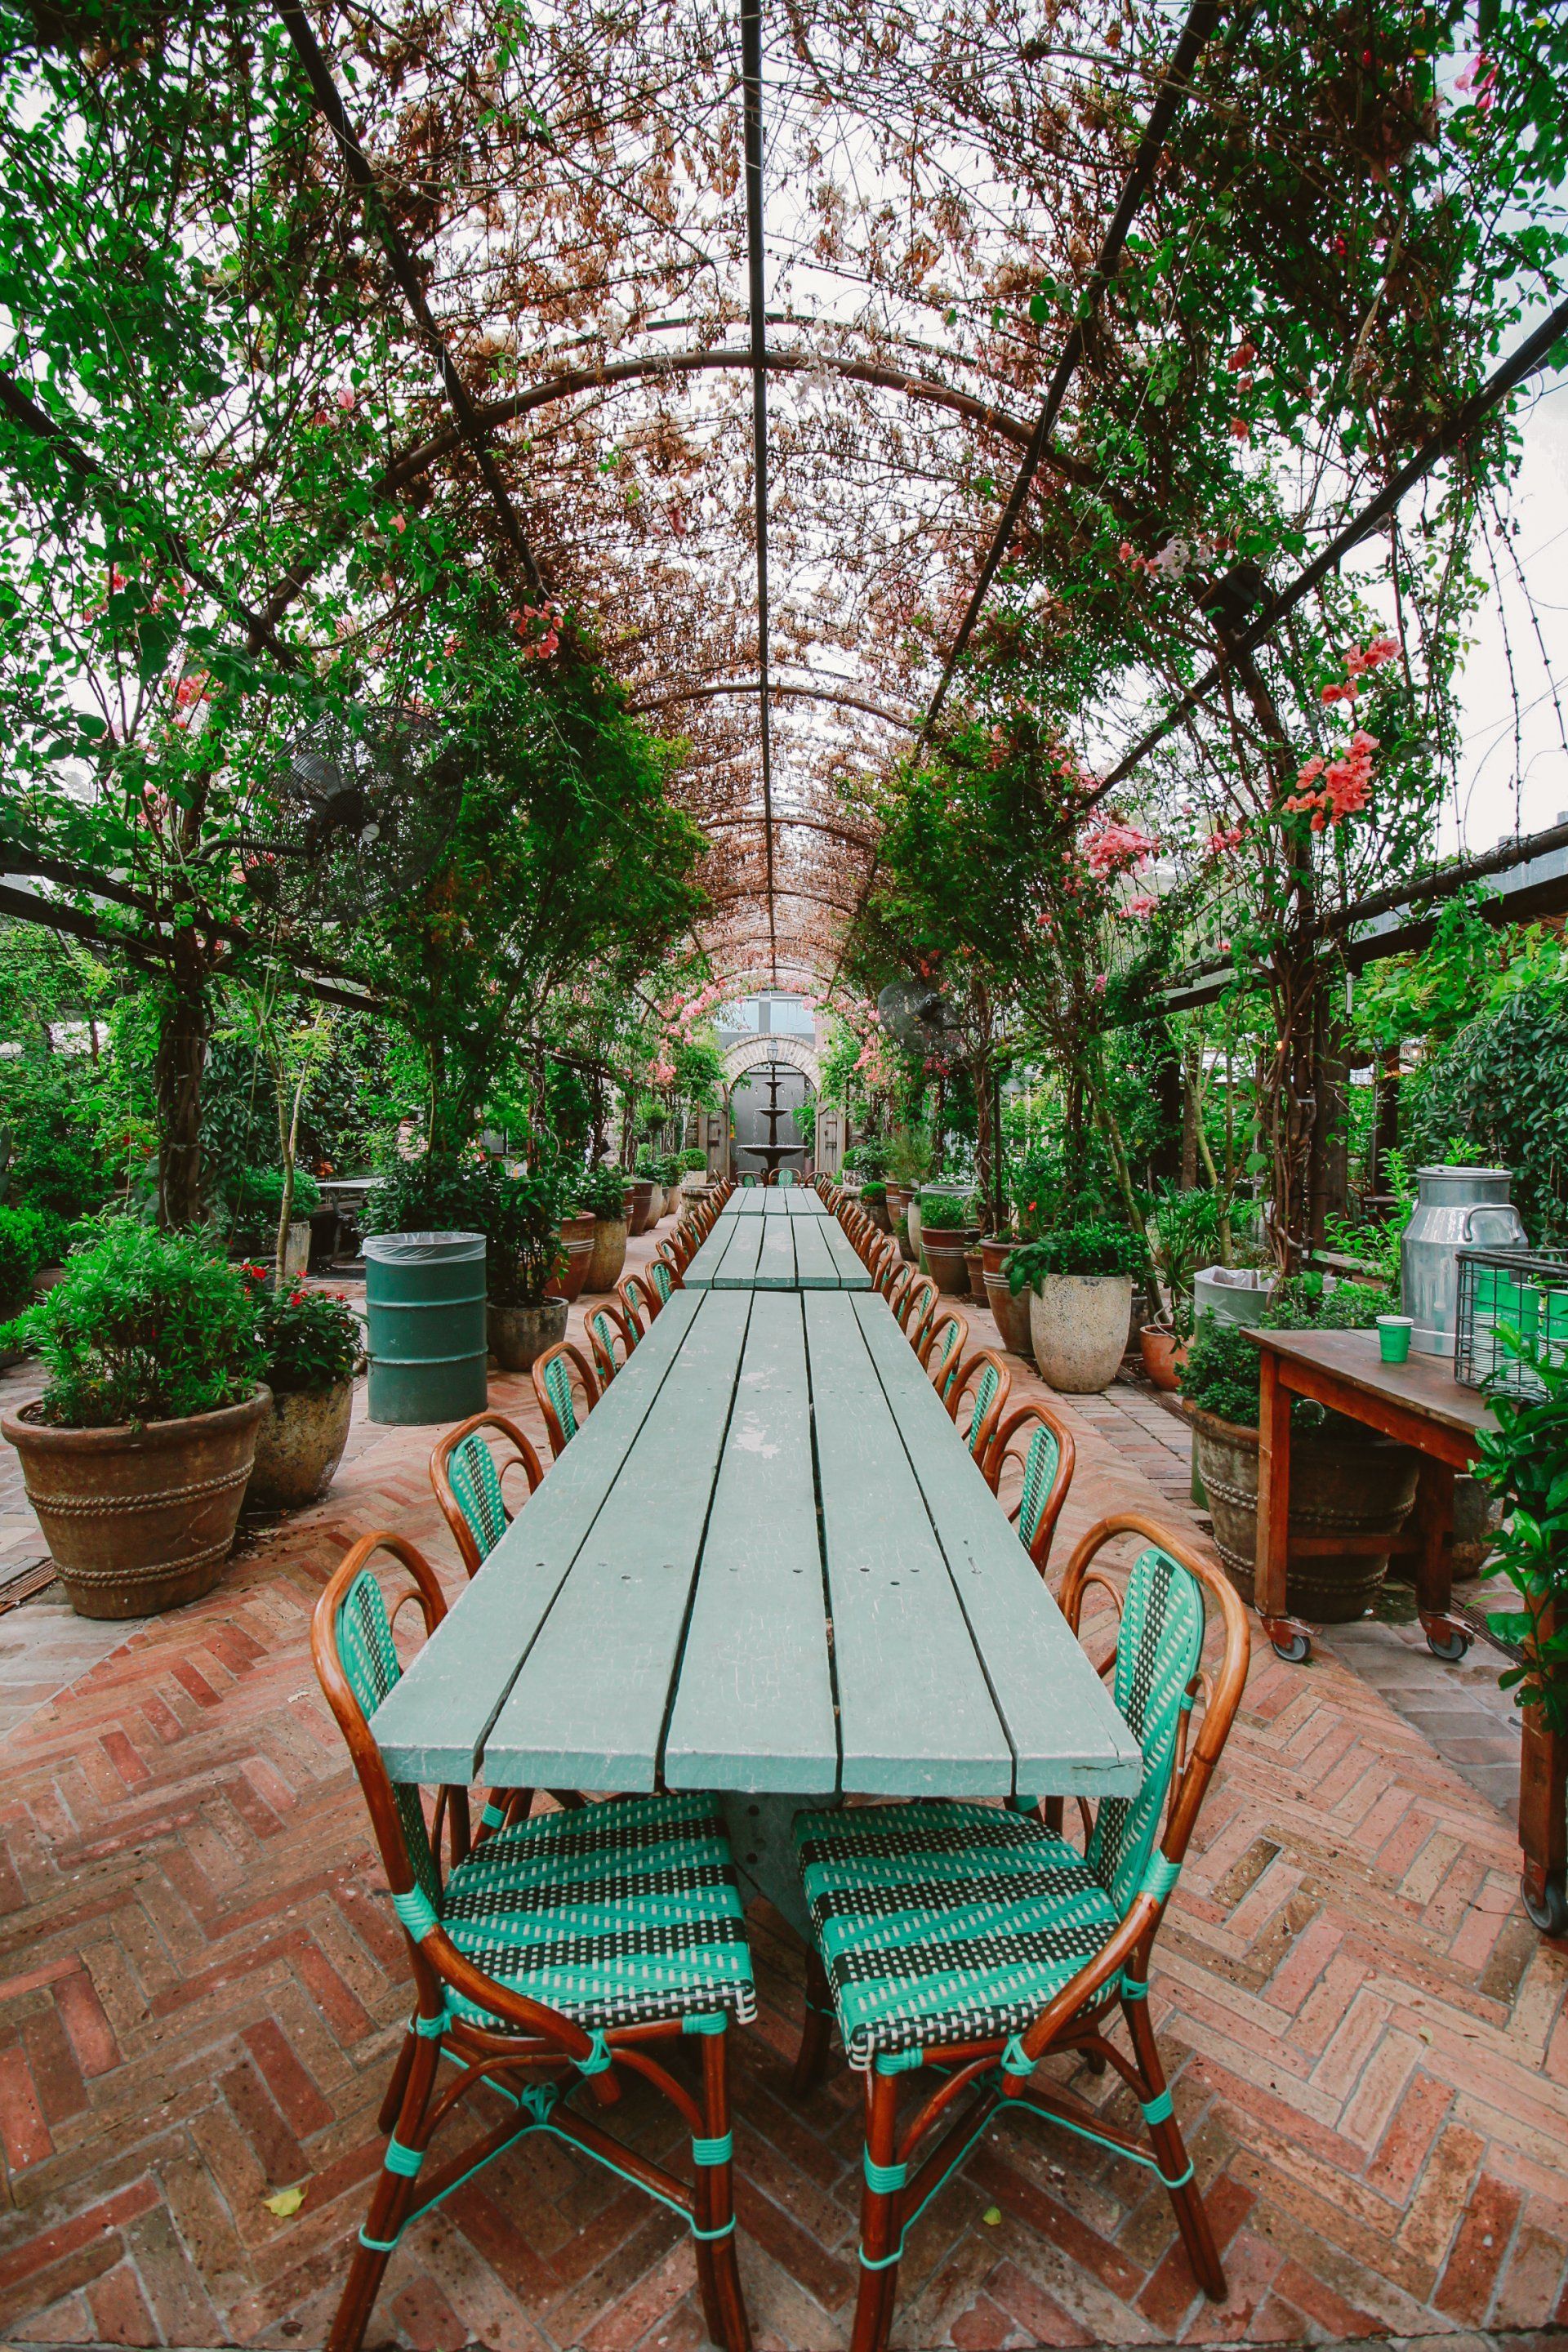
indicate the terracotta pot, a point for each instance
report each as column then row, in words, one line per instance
column 639, row 1205
column 944, row 1256
column 1361, row 1487
column 996, row 1249
column 1164, row 1355
column 299, row 1446
column 139, row 1519
column 1077, row 1327
column 1011, row 1315
column 518, row 1334
column 975, row 1266
column 608, row 1255
column 578, row 1229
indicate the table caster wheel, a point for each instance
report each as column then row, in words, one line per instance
column 1450, row 1644
column 1548, row 1912
column 1295, row 1648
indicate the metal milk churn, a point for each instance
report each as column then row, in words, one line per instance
column 1456, row 1208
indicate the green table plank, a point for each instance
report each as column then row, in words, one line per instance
column 1067, row 1736
column 802, row 1203
column 814, row 1264
column 739, row 1271
column 709, row 1260
column 588, row 1708
column 754, row 1708
column 853, row 1274
column 916, row 1718
column 432, row 1726
column 776, row 1259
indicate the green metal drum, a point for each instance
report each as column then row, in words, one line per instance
column 424, row 1302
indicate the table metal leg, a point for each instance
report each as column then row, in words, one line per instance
column 1292, row 1641
column 1447, row 1636
column 759, row 1830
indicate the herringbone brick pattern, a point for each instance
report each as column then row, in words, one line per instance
column 201, row 1985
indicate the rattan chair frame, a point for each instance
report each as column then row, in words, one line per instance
column 1028, row 1417
column 452, row 1511
column 585, row 1371
column 539, row 2047
column 1076, row 2018
column 940, row 1366
column 980, row 1430
column 605, row 1364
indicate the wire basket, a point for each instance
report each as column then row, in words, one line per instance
column 1523, row 1290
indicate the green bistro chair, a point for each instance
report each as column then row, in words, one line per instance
column 1040, row 1445
column 975, row 1939
column 557, row 1375
column 943, row 1350
column 608, row 1329
column 665, row 1278
column 922, row 1300
column 785, row 1178
column 545, row 1957
column 468, row 1482
column 975, row 1399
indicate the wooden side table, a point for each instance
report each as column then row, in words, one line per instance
column 1420, row 1405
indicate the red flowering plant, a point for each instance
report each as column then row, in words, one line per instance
column 312, row 1338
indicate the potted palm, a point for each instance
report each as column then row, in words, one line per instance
column 311, row 1346
column 1080, row 1277
column 1346, row 1482
column 523, row 1231
column 603, row 1193
column 137, row 1455
column 1183, row 1233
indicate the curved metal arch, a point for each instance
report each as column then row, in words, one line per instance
column 753, row 686
column 717, row 900
column 655, row 365
column 788, row 824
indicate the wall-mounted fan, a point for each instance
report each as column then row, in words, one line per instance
column 357, row 818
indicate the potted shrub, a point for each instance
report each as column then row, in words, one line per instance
column 693, row 1173
column 947, row 1230
column 639, row 1192
column 255, row 1210
column 1345, row 1480
column 603, row 1193
column 1079, row 1278
column 311, row 1346
column 523, row 1231
column 1183, row 1233
column 874, row 1200
column 137, row 1455
column 577, row 1223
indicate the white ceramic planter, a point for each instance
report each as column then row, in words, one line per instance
column 1077, row 1328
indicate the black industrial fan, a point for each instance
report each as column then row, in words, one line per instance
column 357, row 818
column 917, row 1014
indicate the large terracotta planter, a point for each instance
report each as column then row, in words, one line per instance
column 1077, row 1327
column 518, row 1334
column 1164, row 1355
column 299, row 1446
column 996, row 1249
column 639, row 1205
column 568, row 1281
column 609, row 1253
column 944, row 1253
column 1360, row 1488
column 1010, row 1311
column 139, row 1519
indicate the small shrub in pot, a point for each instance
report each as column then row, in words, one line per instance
column 137, row 1455
column 1080, row 1274
column 311, row 1343
column 523, row 1231
column 603, row 1193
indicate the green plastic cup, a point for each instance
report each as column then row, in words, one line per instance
column 1394, row 1337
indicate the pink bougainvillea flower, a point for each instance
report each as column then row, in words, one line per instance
column 345, row 400
column 1240, row 429
column 1228, row 837
column 1141, row 908
column 1343, row 690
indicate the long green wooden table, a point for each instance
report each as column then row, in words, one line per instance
column 787, row 1253
column 657, row 1615
column 760, row 1201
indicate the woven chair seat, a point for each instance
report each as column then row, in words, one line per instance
column 612, row 1914
column 944, row 1923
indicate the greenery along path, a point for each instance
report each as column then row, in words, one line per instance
column 200, row 1986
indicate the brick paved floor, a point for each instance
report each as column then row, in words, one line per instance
column 201, row 1986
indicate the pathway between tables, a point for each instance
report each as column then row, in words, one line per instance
column 201, row 1985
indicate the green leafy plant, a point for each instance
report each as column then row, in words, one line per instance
column 257, row 1200
column 428, row 1194
column 1376, row 1246
column 602, row 1191
column 310, row 1339
column 1525, row 1463
column 23, row 1243
column 947, row 1212
column 522, row 1229
column 908, row 1155
column 1223, row 1371
column 694, row 1160
column 874, row 1196
column 1185, row 1236
column 145, row 1326
column 1098, row 1247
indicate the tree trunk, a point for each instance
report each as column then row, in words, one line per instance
column 1192, row 1112
column 177, row 1075
column 1327, row 1181
column 1385, row 1120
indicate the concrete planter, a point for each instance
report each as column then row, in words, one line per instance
column 297, row 1249
column 609, row 1253
column 299, row 1446
column 1359, row 1488
column 518, row 1334
column 1078, row 1325
column 139, row 1520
